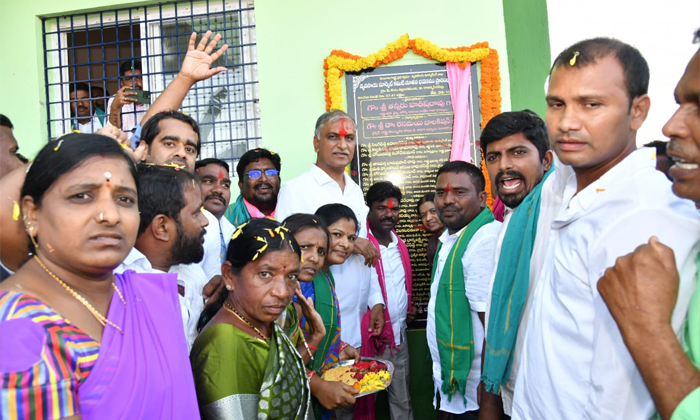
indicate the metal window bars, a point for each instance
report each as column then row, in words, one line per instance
column 89, row 48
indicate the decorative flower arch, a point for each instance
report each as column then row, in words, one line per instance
column 340, row 61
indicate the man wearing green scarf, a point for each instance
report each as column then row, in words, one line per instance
column 259, row 181
column 462, row 270
column 517, row 155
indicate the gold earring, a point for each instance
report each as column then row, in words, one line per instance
column 31, row 236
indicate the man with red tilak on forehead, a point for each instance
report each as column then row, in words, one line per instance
column 327, row 183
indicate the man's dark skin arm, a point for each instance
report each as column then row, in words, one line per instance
column 641, row 291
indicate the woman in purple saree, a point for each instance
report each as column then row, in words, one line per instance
column 77, row 341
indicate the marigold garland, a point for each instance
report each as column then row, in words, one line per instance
column 340, row 61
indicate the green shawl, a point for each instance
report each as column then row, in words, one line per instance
column 237, row 213
column 453, row 318
column 510, row 289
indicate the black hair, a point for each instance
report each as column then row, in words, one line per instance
column 634, row 67
column 509, row 123
column 696, row 36
column 5, row 122
column 129, row 65
column 458, row 166
column 659, row 145
column 80, row 86
column 331, row 213
column 204, row 162
column 161, row 191
column 381, row 191
column 426, row 197
column 64, row 154
column 250, row 241
column 253, row 156
column 300, row 221
column 152, row 127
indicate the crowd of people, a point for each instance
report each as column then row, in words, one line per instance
column 133, row 286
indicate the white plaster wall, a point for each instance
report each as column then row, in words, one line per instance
column 661, row 30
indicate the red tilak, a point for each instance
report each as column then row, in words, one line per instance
column 221, row 174
column 390, row 204
column 343, row 131
column 447, row 188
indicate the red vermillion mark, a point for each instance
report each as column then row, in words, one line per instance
column 343, row 131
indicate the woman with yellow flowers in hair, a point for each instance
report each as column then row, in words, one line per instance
column 244, row 364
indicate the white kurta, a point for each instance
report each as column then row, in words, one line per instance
column 478, row 267
column 550, row 202
column 357, row 288
column 315, row 188
column 189, row 276
column 395, row 283
column 574, row 362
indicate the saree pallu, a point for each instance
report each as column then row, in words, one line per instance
column 241, row 377
column 144, row 373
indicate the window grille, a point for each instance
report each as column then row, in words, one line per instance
column 89, row 48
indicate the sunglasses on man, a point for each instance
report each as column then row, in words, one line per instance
column 257, row 173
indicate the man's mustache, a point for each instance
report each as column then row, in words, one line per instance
column 212, row 195
column 265, row 184
column 388, row 219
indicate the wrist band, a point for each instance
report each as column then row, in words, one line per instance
column 310, row 374
column 314, row 348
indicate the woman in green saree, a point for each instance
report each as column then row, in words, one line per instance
column 244, row 365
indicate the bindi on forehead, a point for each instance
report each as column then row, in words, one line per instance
column 448, row 188
column 390, row 204
column 221, row 173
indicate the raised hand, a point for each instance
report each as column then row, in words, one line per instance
column 197, row 63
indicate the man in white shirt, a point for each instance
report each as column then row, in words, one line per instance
column 517, row 156
column 213, row 175
column 84, row 117
column 327, row 182
column 394, row 272
column 170, row 237
column 642, row 288
column 459, row 288
column 574, row 362
column 124, row 112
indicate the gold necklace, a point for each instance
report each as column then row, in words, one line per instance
column 101, row 318
column 242, row 318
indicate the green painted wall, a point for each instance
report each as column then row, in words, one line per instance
column 22, row 91
column 527, row 37
column 295, row 37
